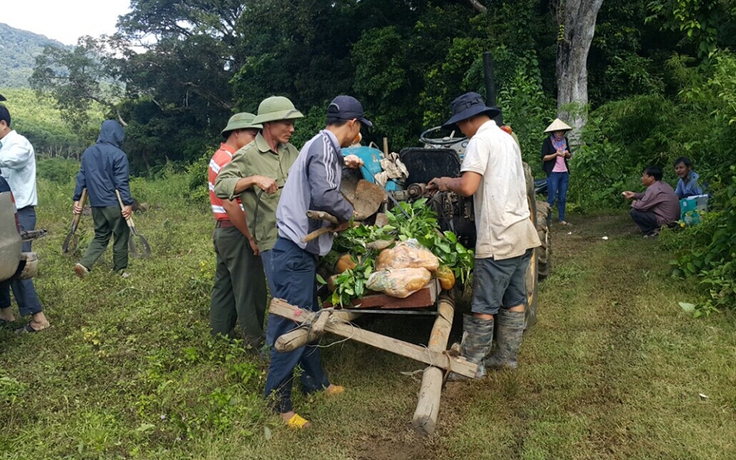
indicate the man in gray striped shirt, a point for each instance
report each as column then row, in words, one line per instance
column 313, row 183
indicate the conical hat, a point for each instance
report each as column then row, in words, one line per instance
column 557, row 125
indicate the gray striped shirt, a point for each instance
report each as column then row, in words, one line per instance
column 313, row 184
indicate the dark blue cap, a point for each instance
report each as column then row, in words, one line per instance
column 468, row 105
column 347, row 108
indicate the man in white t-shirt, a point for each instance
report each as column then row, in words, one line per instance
column 492, row 172
column 18, row 167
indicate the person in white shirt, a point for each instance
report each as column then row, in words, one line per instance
column 493, row 173
column 18, row 167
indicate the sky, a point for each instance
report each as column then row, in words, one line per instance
column 64, row 20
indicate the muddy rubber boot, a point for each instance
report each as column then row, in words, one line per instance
column 508, row 339
column 476, row 343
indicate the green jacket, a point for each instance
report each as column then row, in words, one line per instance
column 257, row 159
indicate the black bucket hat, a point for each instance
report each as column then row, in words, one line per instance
column 469, row 105
column 2, row 98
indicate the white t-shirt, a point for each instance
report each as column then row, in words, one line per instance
column 18, row 167
column 502, row 219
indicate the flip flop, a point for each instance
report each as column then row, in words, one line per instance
column 6, row 323
column 29, row 329
column 297, row 422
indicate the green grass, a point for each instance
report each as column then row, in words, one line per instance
column 614, row 369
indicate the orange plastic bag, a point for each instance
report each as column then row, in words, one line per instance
column 407, row 254
column 401, row 282
column 446, row 277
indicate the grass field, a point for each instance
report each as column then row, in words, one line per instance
column 614, row 369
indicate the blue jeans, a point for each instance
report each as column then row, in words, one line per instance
column 23, row 290
column 557, row 189
column 294, row 272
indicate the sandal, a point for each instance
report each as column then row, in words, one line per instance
column 297, row 422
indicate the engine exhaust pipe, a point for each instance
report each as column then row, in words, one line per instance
column 490, row 85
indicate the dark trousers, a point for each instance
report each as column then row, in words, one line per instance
column 294, row 272
column 109, row 222
column 557, row 190
column 23, row 290
column 239, row 292
column 646, row 220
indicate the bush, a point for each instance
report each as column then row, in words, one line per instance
column 706, row 251
column 57, row 170
column 197, row 179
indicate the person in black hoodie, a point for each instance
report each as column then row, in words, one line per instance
column 105, row 170
column 555, row 153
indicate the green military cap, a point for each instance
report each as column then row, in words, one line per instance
column 243, row 120
column 276, row 108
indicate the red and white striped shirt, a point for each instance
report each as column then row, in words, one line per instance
column 218, row 161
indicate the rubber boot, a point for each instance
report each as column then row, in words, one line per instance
column 510, row 328
column 476, row 343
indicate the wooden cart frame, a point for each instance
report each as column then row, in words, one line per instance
column 435, row 355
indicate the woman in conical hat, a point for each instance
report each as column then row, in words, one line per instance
column 555, row 153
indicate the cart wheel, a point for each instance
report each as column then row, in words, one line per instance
column 544, row 252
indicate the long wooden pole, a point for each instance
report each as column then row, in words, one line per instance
column 428, row 406
column 302, row 336
column 459, row 365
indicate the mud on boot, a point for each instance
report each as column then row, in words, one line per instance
column 476, row 343
column 510, row 326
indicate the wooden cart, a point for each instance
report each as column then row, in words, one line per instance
column 435, row 355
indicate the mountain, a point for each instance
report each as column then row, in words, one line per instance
column 18, row 48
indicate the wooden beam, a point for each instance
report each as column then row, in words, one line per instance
column 428, row 406
column 303, row 335
column 458, row 365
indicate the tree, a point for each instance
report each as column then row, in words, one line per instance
column 76, row 77
column 576, row 19
column 481, row 8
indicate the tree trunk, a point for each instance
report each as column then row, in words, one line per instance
column 577, row 27
column 478, row 6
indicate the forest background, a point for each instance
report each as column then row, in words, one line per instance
column 661, row 84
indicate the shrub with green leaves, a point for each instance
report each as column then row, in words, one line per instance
column 58, row 170
column 197, row 179
column 708, row 251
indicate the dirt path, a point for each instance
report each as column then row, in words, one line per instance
column 602, row 375
column 571, row 244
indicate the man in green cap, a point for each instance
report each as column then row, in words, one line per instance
column 240, row 287
column 256, row 174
